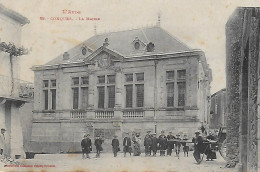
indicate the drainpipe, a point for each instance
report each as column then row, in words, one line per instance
column 155, row 95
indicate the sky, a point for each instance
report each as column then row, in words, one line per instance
column 200, row 24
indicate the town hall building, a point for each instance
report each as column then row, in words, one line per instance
column 126, row 81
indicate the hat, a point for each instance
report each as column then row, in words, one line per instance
column 115, row 135
column 177, row 134
column 3, row 129
column 197, row 132
column 149, row 131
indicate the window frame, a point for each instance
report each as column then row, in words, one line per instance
column 175, row 81
column 134, row 84
column 106, row 84
column 80, row 86
column 51, row 103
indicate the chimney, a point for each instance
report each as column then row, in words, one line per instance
column 66, row 56
column 105, row 44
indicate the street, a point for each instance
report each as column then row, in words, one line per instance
column 107, row 163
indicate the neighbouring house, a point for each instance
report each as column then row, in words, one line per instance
column 14, row 92
column 218, row 116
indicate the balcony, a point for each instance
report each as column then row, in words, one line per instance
column 78, row 114
column 133, row 114
column 15, row 88
column 104, row 114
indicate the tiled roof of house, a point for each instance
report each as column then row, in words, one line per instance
column 122, row 42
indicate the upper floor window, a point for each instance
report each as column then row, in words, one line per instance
column 134, row 90
column 106, row 91
column 49, row 94
column 176, row 88
column 80, row 92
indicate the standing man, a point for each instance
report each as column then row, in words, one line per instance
column 154, row 144
column 127, row 144
column 115, row 145
column 162, row 143
column 2, row 141
column 178, row 145
column 86, row 146
column 147, row 143
column 185, row 146
column 170, row 145
column 98, row 144
column 198, row 145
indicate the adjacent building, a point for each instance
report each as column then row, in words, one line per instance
column 243, row 70
column 127, row 81
column 218, row 116
column 13, row 92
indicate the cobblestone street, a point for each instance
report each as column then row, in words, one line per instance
column 107, row 163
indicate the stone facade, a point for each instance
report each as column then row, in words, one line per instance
column 12, row 89
column 218, row 106
column 141, row 80
column 242, row 32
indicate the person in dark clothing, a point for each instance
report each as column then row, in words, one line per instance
column 210, row 154
column 198, row 146
column 98, row 144
column 147, row 144
column 115, row 146
column 127, row 145
column 154, row 143
column 86, row 146
column 185, row 146
column 162, row 143
column 177, row 145
column 170, row 143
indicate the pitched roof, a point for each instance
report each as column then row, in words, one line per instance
column 121, row 42
column 13, row 15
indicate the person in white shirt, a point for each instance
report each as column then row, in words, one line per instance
column 2, row 141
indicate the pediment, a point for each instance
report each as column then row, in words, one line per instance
column 103, row 57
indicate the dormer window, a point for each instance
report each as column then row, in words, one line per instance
column 137, row 45
column 84, row 51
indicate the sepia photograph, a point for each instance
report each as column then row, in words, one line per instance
column 129, row 85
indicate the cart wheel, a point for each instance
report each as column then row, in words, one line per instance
column 223, row 150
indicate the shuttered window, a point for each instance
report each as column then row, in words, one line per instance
column 45, row 94
column 170, row 94
column 176, row 88
column 75, row 98
column 84, row 97
column 80, row 92
column 49, row 94
column 53, row 99
column 129, row 96
column 101, row 97
column 140, row 95
column 111, row 96
column 181, row 93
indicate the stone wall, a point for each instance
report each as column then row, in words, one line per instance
column 242, row 32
